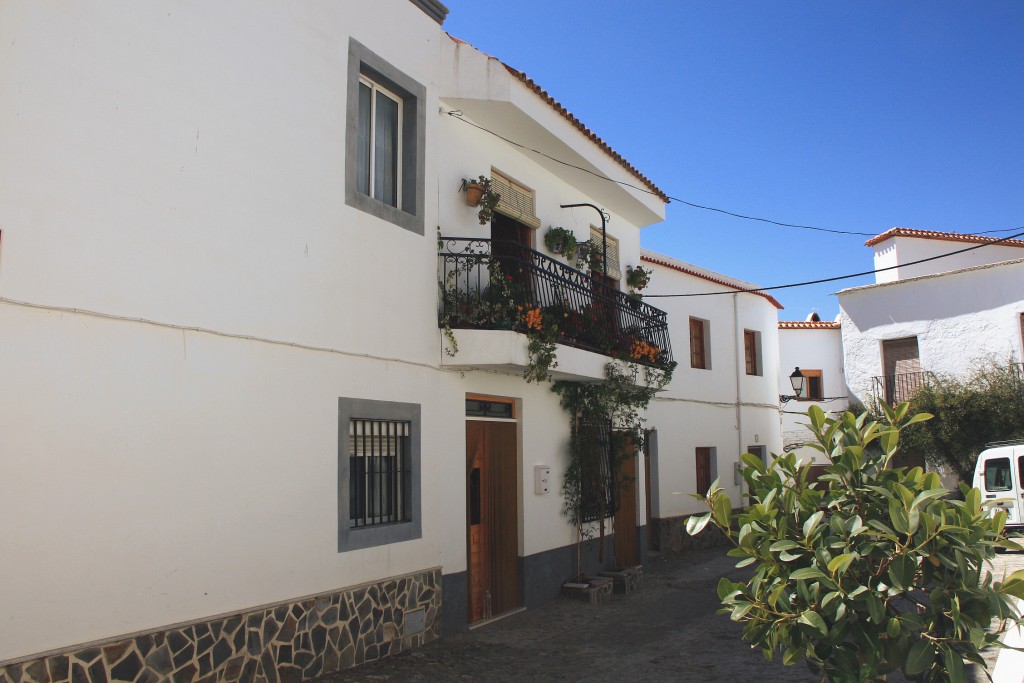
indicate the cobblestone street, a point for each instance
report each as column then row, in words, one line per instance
column 667, row 631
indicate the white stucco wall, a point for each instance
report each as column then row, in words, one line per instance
column 896, row 251
column 959, row 319
column 810, row 349
column 721, row 407
column 184, row 296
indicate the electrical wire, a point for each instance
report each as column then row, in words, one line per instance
column 457, row 115
column 845, row 277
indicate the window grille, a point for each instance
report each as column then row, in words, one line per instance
column 515, row 201
column 597, row 472
column 379, row 472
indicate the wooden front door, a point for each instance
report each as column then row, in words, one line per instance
column 627, row 552
column 492, row 518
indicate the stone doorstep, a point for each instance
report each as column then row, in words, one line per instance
column 598, row 589
column 626, row 580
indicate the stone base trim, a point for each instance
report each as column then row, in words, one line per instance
column 286, row 643
column 669, row 534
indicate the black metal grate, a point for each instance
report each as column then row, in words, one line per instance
column 898, row 388
column 597, row 471
column 494, row 284
column 379, row 472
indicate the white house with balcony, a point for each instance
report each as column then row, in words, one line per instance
column 723, row 399
column 237, row 442
column 943, row 316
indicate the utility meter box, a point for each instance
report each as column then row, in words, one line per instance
column 541, row 479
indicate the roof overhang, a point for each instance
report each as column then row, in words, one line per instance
column 495, row 98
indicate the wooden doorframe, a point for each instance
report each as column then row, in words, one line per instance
column 492, row 514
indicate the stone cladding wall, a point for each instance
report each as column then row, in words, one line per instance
column 284, row 643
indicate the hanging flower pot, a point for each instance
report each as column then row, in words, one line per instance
column 561, row 241
column 480, row 195
column 474, row 191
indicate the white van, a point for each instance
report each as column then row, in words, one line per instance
column 999, row 475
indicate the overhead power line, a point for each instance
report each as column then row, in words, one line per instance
column 845, row 277
column 457, row 115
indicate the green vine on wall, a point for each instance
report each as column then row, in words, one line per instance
column 619, row 402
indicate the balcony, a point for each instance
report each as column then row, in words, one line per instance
column 493, row 286
column 901, row 387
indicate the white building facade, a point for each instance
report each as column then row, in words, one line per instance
column 943, row 317
column 723, row 399
column 233, row 443
column 815, row 347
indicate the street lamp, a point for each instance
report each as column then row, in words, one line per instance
column 796, row 379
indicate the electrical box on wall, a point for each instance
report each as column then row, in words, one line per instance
column 541, row 479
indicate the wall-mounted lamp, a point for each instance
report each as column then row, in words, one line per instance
column 796, row 379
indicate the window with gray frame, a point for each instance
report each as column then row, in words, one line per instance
column 384, row 142
column 379, row 473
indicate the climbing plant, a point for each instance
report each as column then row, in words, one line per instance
column 616, row 404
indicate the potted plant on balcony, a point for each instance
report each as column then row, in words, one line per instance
column 637, row 278
column 589, row 255
column 479, row 194
column 561, row 241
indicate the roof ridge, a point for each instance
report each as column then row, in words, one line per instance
column 709, row 278
column 937, row 235
column 808, row 325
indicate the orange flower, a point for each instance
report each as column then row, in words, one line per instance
column 533, row 319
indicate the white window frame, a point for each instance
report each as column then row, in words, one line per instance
column 372, row 161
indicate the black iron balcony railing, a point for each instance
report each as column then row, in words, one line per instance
column 498, row 285
column 901, row 387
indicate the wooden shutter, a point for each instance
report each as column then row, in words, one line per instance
column 750, row 351
column 697, row 358
column 703, row 458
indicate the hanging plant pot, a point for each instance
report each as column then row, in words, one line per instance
column 474, row 192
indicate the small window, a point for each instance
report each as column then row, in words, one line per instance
column 812, row 390
column 379, row 473
column 598, row 490
column 752, row 351
column 705, row 468
column 699, row 333
column 384, row 141
column 997, row 474
column 380, row 144
column 614, row 269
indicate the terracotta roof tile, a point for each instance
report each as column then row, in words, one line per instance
column 807, row 325
column 704, row 276
column 933, row 235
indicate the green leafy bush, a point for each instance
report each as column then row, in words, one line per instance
column 986, row 406
column 869, row 570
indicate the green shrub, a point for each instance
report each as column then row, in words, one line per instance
column 869, row 570
column 986, row 406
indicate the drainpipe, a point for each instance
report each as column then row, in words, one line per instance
column 737, row 341
column 604, row 232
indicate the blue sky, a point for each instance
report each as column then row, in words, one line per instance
column 857, row 116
